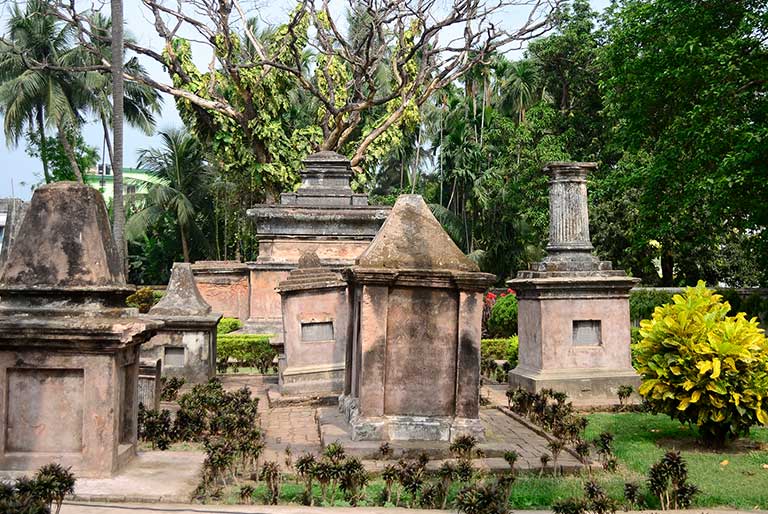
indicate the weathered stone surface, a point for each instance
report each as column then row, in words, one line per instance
column 323, row 216
column 413, row 367
column 182, row 298
column 16, row 210
column 394, row 248
column 224, row 286
column 186, row 345
column 573, row 311
column 315, row 320
column 68, row 347
column 65, row 241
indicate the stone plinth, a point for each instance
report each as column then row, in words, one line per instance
column 413, row 365
column 69, row 349
column 224, row 286
column 315, row 319
column 323, row 216
column 573, row 311
column 186, row 345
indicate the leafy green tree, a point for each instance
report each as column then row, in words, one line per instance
column 179, row 171
column 685, row 85
column 35, row 98
column 59, row 164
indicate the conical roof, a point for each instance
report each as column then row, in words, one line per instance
column 182, row 298
column 64, row 241
column 411, row 238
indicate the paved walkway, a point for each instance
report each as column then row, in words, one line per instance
column 172, row 476
column 156, row 476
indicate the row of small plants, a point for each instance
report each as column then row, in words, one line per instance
column 235, row 351
column 407, row 482
column 552, row 411
column 667, row 481
column 224, row 422
column 333, row 476
column 43, row 493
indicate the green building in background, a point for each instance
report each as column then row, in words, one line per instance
column 135, row 181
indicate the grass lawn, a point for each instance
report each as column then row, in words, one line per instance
column 732, row 478
column 735, row 477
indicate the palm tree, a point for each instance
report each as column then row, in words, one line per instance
column 118, row 89
column 178, row 172
column 519, row 87
column 35, row 97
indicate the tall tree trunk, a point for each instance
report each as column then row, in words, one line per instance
column 184, row 242
column 415, row 174
column 667, row 268
column 118, row 206
column 43, row 144
column 70, row 152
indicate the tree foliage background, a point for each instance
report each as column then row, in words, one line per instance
column 669, row 97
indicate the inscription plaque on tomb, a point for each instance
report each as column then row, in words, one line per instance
column 317, row 331
column 174, row 356
column 586, row 332
column 44, row 410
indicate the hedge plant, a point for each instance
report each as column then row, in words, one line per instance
column 227, row 325
column 643, row 302
column 500, row 349
column 503, row 319
column 247, row 350
column 703, row 367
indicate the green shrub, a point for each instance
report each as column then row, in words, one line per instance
column 248, row 350
column 701, row 366
column 227, row 325
column 754, row 306
column 170, row 388
column 503, row 320
column 643, row 302
column 500, row 349
column 144, row 298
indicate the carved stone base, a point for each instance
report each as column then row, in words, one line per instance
column 407, row 428
column 585, row 387
column 312, row 380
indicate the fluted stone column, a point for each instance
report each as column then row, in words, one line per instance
column 569, row 222
column 573, row 313
column 569, row 247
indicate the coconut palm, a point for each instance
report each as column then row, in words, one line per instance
column 178, row 173
column 37, row 97
column 519, row 87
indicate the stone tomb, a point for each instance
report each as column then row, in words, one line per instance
column 69, row 348
column 413, row 365
column 186, row 345
column 224, row 286
column 315, row 319
column 573, row 313
column 323, row 216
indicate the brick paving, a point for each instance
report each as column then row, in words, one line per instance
column 283, row 427
column 297, row 427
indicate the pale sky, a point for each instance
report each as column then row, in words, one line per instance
column 18, row 171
